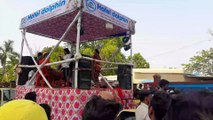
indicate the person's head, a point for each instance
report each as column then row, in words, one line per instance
column 97, row 51
column 106, row 95
column 98, row 108
column 30, row 96
column 66, row 51
column 157, row 77
column 47, row 109
column 191, row 105
column 140, row 86
column 164, row 84
column 144, row 96
column 22, row 110
column 159, row 105
column 134, row 86
column 45, row 54
column 39, row 55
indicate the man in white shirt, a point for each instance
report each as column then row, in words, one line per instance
column 141, row 112
column 65, row 66
column 30, row 83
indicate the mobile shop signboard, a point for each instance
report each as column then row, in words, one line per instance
column 101, row 11
column 50, row 11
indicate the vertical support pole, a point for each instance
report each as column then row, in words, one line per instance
column 63, row 36
column 21, row 53
column 60, row 40
column 131, row 49
column 37, row 66
column 77, row 51
column 131, row 53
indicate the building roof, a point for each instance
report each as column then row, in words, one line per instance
column 147, row 70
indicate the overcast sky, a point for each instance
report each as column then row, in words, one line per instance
column 168, row 32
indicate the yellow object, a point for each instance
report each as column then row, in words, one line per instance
column 22, row 110
column 128, row 110
column 136, row 102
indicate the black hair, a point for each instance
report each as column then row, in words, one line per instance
column 39, row 54
column 30, row 96
column 97, row 51
column 47, row 109
column 100, row 109
column 160, row 103
column 163, row 82
column 143, row 94
column 191, row 105
column 66, row 50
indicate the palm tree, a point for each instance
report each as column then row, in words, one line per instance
column 6, row 52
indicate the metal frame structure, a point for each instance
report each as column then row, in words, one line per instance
column 77, row 56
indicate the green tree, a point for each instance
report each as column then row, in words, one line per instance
column 55, row 55
column 201, row 63
column 107, row 47
column 7, row 57
column 139, row 61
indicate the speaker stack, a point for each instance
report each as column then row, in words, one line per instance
column 124, row 76
column 23, row 76
column 84, row 74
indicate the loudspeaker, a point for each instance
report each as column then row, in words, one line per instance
column 124, row 76
column 23, row 76
column 84, row 74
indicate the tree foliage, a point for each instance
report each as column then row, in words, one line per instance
column 107, row 49
column 55, row 55
column 8, row 58
column 201, row 63
column 139, row 61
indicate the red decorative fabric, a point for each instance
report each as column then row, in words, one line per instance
column 67, row 104
column 93, row 27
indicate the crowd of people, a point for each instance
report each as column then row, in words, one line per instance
column 160, row 105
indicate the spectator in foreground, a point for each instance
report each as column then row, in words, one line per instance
column 140, row 87
column 141, row 112
column 159, row 105
column 135, row 91
column 100, row 109
column 192, row 105
column 47, row 109
column 30, row 96
column 22, row 110
column 164, row 85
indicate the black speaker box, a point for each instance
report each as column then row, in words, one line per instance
column 84, row 79
column 84, row 74
column 124, row 76
column 23, row 76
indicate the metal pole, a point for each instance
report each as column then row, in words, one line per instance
column 77, row 51
column 105, row 80
column 20, row 57
column 60, row 40
column 131, row 61
column 37, row 66
column 62, row 37
column 131, row 50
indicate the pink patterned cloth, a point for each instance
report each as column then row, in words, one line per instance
column 67, row 104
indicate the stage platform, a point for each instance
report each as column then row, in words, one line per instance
column 67, row 103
